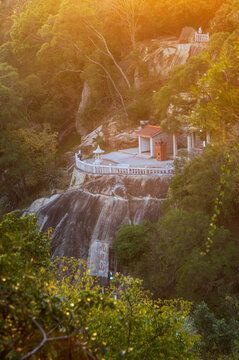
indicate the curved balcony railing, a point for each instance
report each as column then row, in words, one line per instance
column 121, row 169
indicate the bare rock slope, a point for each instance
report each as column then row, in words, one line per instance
column 161, row 56
column 86, row 220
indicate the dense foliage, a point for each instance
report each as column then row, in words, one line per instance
column 54, row 311
column 173, row 256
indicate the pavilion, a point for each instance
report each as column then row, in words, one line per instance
column 153, row 141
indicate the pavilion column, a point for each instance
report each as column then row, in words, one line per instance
column 175, row 146
column 140, row 146
column 189, row 142
column 151, row 147
column 193, row 140
column 208, row 139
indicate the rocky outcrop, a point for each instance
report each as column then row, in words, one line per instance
column 85, row 98
column 162, row 55
column 108, row 135
column 187, row 35
column 38, row 204
column 88, row 142
column 86, row 220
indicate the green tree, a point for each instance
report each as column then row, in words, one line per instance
column 218, row 335
column 174, row 101
column 217, row 92
column 226, row 17
column 65, row 315
column 27, row 149
column 167, row 255
column 130, row 243
column 129, row 13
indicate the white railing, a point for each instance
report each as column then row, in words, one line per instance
column 201, row 37
column 121, row 169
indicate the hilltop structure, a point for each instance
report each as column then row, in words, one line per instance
column 189, row 35
column 154, row 155
column 191, row 40
column 152, row 138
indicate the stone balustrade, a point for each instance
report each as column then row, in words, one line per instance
column 201, row 37
column 121, row 169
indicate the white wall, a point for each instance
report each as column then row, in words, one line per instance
column 145, row 144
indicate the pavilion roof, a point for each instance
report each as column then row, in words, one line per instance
column 149, row 131
column 98, row 150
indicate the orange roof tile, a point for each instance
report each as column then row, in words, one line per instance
column 149, row 131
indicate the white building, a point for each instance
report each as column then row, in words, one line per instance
column 150, row 136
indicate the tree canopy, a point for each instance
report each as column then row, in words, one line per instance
column 55, row 310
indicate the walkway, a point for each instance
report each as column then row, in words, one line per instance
column 132, row 158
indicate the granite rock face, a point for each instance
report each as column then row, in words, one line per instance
column 86, row 220
column 110, row 133
column 161, row 56
column 38, row 204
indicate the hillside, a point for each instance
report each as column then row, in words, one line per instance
column 63, row 72
column 80, row 75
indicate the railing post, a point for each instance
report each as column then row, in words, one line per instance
column 76, row 159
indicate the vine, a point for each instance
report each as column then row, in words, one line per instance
column 218, row 203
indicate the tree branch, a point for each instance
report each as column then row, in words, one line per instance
column 109, row 53
column 41, row 343
column 45, row 339
column 97, row 47
column 109, row 76
column 70, row 70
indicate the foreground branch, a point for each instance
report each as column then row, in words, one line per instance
column 58, row 338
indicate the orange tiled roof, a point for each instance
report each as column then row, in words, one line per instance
column 149, row 131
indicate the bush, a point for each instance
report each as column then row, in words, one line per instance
column 218, row 336
column 140, row 110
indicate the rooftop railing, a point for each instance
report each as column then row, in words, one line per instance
column 201, row 37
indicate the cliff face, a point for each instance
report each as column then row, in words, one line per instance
column 85, row 221
column 161, row 56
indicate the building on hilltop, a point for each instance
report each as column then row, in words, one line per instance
column 189, row 36
column 200, row 37
column 155, row 143
column 150, row 139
